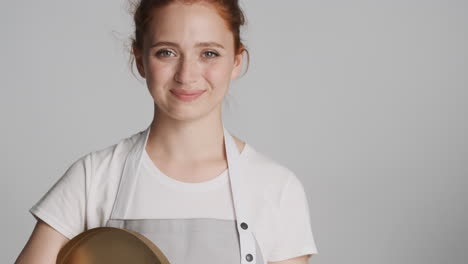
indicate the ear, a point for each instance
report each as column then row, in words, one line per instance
column 238, row 58
column 139, row 60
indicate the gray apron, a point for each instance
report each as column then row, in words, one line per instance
column 190, row 241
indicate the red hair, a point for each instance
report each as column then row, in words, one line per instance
column 229, row 10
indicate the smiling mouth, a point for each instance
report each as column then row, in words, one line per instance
column 187, row 97
column 190, row 92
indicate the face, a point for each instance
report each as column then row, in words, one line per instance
column 188, row 49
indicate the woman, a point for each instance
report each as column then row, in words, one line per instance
column 170, row 182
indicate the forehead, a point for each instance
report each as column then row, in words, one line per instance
column 188, row 23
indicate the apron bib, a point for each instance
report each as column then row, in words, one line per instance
column 194, row 241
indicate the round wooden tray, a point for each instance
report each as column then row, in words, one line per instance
column 109, row 245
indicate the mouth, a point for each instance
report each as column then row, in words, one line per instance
column 186, row 95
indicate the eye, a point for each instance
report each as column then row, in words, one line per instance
column 163, row 53
column 211, row 54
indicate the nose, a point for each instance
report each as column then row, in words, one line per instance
column 187, row 71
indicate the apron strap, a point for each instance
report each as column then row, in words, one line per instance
column 246, row 238
column 128, row 179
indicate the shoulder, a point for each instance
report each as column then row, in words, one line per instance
column 266, row 168
column 114, row 152
column 102, row 165
column 266, row 175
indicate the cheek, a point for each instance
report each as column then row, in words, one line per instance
column 158, row 80
column 218, row 74
column 160, row 73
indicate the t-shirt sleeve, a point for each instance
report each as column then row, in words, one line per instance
column 63, row 206
column 294, row 235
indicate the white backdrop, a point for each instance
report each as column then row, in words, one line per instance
column 365, row 100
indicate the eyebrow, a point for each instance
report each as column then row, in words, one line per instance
column 198, row 44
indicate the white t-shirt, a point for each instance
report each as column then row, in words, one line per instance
column 83, row 198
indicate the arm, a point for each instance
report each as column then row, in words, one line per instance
column 60, row 215
column 294, row 241
column 297, row 260
column 43, row 245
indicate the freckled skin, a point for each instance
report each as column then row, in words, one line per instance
column 187, row 66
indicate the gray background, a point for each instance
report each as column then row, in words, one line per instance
column 365, row 100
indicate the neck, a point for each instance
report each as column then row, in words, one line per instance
column 192, row 140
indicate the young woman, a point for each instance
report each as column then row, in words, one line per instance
column 200, row 194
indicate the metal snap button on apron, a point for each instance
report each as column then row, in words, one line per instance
column 244, row 226
column 194, row 241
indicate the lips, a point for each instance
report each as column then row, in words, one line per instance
column 179, row 91
column 187, row 95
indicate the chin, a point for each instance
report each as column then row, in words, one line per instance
column 194, row 112
column 186, row 113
